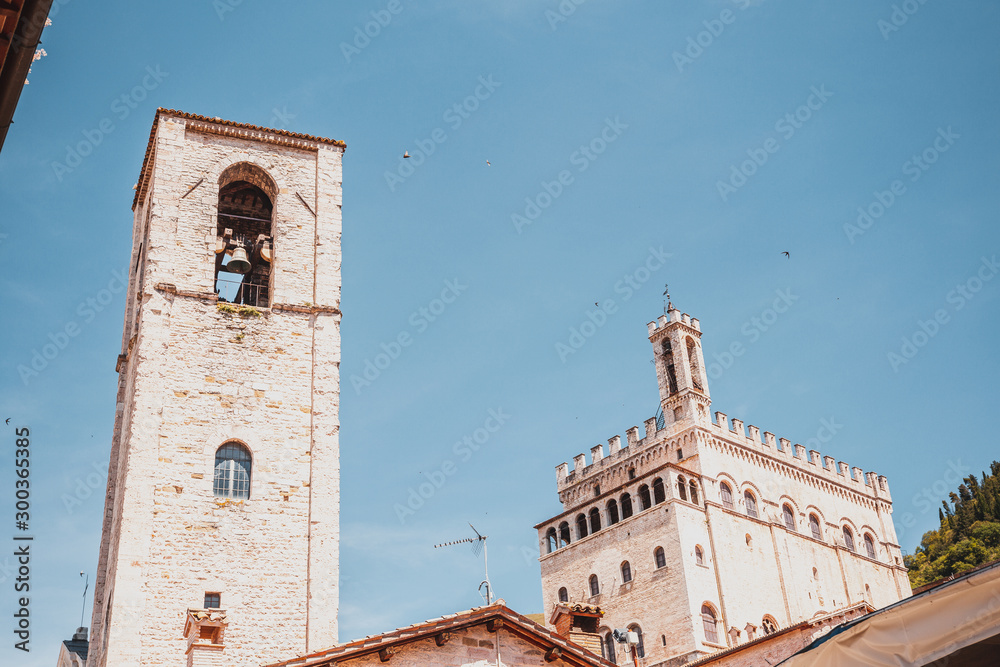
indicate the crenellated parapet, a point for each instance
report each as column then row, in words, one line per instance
column 674, row 316
column 811, row 462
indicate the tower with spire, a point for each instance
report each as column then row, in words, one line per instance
column 703, row 533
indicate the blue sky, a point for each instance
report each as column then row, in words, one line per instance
column 897, row 119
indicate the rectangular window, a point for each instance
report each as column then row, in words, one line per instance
column 213, row 601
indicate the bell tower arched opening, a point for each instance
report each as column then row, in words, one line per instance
column 244, row 246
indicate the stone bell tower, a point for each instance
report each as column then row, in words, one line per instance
column 221, row 528
column 680, row 366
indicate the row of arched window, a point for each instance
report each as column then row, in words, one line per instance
column 788, row 518
column 594, row 584
column 617, row 509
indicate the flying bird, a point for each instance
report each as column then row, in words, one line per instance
column 8, row 420
column 785, row 253
column 406, row 153
column 488, row 163
column 595, row 303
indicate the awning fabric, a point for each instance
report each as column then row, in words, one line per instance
column 917, row 630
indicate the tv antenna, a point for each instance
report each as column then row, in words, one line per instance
column 86, row 585
column 478, row 544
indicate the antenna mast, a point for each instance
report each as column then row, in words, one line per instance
column 478, row 543
column 86, row 585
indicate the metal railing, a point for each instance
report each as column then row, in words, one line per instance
column 232, row 288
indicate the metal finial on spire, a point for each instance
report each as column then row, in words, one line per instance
column 668, row 304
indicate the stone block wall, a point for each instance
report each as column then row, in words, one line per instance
column 193, row 377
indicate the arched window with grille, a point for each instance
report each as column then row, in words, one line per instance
column 232, row 472
column 751, row 504
column 564, row 535
column 626, row 572
column 581, row 526
column 699, row 555
column 595, row 585
column 640, row 650
column 870, row 546
column 660, row 557
column 709, row 623
column 848, row 538
column 694, row 491
column 788, row 514
column 682, row 488
column 727, row 495
column 612, row 512
column 769, row 625
column 563, row 594
column 659, row 494
column 626, row 505
column 645, row 502
column 551, row 543
column 814, row 527
column 595, row 520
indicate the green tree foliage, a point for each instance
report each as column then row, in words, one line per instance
column 969, row 534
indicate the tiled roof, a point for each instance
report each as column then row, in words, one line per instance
column 250, row 131
column 708, row 659
column 513, row 622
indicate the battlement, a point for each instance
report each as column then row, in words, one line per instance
column 673, row 316
column 811, row 462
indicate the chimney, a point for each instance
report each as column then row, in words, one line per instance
column 204, row 630
column 578, row 623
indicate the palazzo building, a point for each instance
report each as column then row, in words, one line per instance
column 702, row 534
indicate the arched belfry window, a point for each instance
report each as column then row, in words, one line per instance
column 645, row 502
column 659, row 493
column 551, row 542
column 612, row 512
column 595, row 520
column 692, row 352
column 232, row 471
column 626, row 506
column 244, row 243
column 564, row 535
column 682, row 488
column 581, row 526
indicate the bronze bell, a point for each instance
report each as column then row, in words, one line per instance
column 239, row 263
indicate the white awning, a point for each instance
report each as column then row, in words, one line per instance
column 960, row 619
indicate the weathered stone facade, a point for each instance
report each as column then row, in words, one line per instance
column 787, row 564
column 195, row 374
